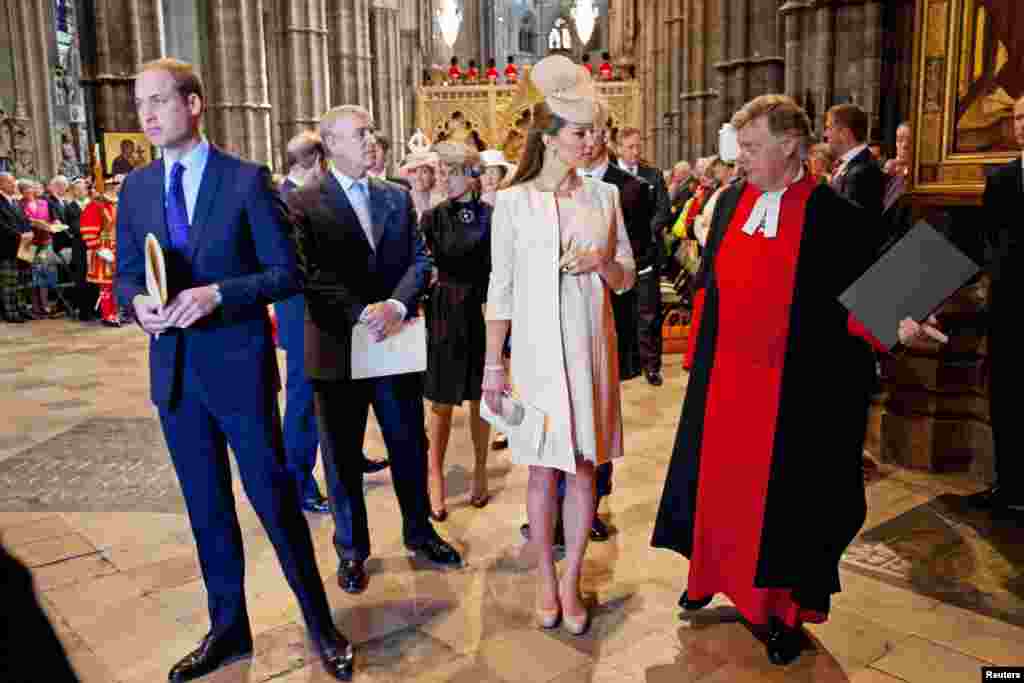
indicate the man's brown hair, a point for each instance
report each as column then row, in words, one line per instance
column 186, row 79
column 853, row 117
column 303, row 148
column 784, row 116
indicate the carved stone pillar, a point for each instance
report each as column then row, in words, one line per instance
column 238, row 108
column 35, row 149
column 348, row 28
column 303, row 65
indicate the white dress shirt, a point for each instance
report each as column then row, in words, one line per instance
column 631, row 169
column 596, row 172
column 845, row 159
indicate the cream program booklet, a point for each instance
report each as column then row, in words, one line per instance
column 401, row 353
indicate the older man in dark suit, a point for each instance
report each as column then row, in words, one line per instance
column 1003, row 201
column 213, row 370
column 364, row 263
column 13, row 224
column 649, row 261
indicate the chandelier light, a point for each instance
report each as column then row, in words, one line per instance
column 584, row 15
column 449, row 18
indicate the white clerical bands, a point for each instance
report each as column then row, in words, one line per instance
column 764, row 218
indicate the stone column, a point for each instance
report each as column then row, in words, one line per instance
column 871, row 85
column 725, row 12
column 129, row 33
column 36, row 150
column 303, row 65
column 387, row 85
column 413, row 46
column 822, row 86
column 791, row 12
column 238, row 108
column 348, row 42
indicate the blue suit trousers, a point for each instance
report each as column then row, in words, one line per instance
column 198, row 434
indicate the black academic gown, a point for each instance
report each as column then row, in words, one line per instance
column 815, row 502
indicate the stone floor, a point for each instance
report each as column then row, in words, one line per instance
column 87, row 502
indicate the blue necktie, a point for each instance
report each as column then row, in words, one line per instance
column 177, row 211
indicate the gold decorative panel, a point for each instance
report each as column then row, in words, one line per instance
column 969, row 70
column 490, row 111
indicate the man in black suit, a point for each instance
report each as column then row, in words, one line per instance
column 1003, row 200
column 648, row 261
column 857, row 175
column 13, row 224
column 364, row 264
column 858, row 178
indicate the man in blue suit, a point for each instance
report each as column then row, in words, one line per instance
column 213, row 369
column 363, row 262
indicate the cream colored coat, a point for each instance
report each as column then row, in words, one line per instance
column 525, row 289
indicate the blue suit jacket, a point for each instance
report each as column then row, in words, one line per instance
column 239, row 239
column 344, row 273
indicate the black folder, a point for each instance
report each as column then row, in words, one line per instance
column 911, row 280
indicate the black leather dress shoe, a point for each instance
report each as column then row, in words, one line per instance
column 370, row 465
column 985, row 500
column 437, row 551
column 558, row 542
column 598, row 530
column 693, row 605
column 336, row 655
column 654, row 379
column 212, row 654
column 316, row 503
column 783, row 643
column 352, row 576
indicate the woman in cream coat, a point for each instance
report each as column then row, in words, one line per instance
column 559, row 248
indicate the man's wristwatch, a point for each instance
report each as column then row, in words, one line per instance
column 218, row 297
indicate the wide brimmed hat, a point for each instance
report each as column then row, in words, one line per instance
column 567, row 88
column 417, row 160
column 456, row 153
column 495, row 157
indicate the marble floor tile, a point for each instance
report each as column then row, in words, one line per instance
column 134, row 603
column 917, row 659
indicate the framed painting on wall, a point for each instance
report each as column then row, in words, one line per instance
column 124, row 152
column 969, row 71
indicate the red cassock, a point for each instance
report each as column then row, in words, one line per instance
column 760, row 503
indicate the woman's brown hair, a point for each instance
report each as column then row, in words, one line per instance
column 545, row 122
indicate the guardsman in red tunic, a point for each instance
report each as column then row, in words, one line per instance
column 454, row 72
column 511, row 71
column 97, row 228
column 605, row 70
column 492, row 71
column 473, row 73
column 587, row 65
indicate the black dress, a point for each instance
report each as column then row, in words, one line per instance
column 458, row 235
